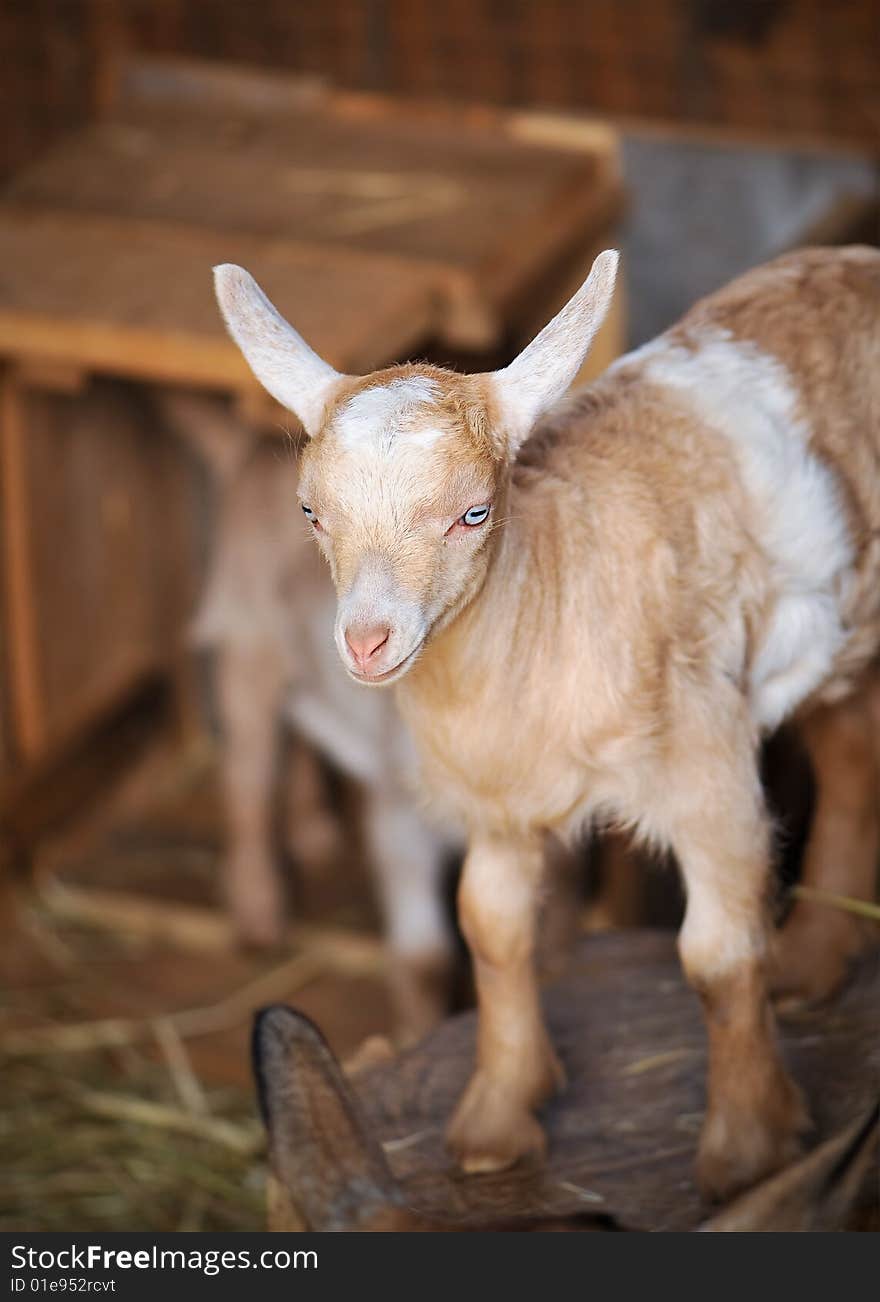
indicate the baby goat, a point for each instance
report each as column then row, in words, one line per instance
column 267, row 614
column 594, row 607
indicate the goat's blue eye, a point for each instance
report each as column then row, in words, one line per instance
column 308, row 512
column 476, row 515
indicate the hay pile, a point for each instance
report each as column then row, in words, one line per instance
column 104, row 1124
column 101, row 1141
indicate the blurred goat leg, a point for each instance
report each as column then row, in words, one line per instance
column 314, row 834
column 815, row 946
column 408, row 865
column 250, row 682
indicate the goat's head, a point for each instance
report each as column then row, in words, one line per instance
column 405, row 474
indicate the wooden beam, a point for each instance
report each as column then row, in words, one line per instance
column 28, row 713
column 52, row 376
column 74, row 768
column 163, row 356
column 204, row 85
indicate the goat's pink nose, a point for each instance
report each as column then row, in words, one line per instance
column 365, row 643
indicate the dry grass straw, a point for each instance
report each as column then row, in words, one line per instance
column 105, row 1125
column 117, row 1032
column 95, row 1135
column 862, row 908
column 111, row 1148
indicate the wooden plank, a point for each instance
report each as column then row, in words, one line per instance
column 177, row 82
column 21, row 622
column 111, row 549
column 75, row 769
column 50, row 374
column 175, row 358
column 623, row 1133
column 591, row 213
column 376, row 186
column 129, row 676
column 431, row 183
column 775, row 138
column 136, row 298
column 107, row 38
column 425, row 188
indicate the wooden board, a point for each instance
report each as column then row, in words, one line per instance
column 135, row 298
column 100, row 592
column 450, row 187
column 623, row 1134
column 486, row 199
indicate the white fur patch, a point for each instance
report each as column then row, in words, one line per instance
column 716, row 939
column 374, row 417
column 748, row 396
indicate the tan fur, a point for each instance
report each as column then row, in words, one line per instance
column 590, row 653
column 516, row 1065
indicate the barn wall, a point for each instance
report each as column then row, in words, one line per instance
column 778, row 65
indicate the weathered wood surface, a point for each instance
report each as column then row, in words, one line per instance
column 623, row 1134
column 449, row 186
column 134, row 298
column 488, row 201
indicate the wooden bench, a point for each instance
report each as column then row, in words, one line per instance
column 622, row 1135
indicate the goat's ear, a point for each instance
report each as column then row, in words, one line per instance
column 543, row 371
column 279, row 357
column 331, row 1167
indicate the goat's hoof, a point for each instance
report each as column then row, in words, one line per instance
column 493, row 1126
column 739, row 1147
column 484, row 1140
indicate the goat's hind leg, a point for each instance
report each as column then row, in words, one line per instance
column 813, row 949
column 313, row 831
column 516, row 1069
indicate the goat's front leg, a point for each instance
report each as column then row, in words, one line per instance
column 754, row 1111
column 516, row 1067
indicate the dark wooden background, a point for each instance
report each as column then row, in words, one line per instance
column 806, row 67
